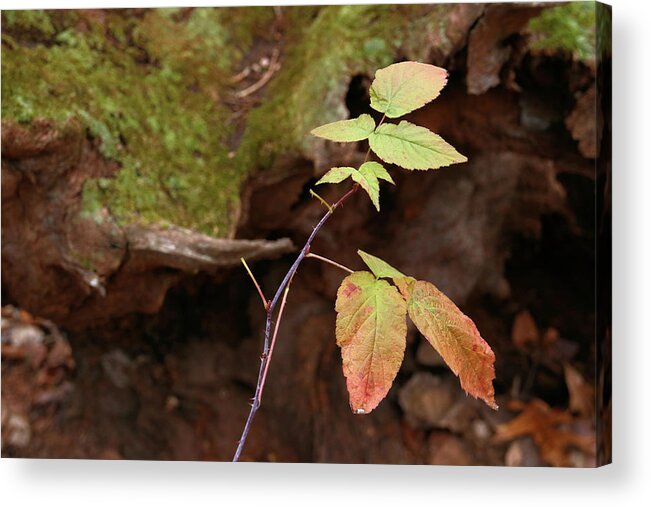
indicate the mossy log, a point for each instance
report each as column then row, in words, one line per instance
column 162, row 118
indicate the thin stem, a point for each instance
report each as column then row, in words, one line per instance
column 273, row 340
column 323, row 201
column 270, row 309
column 265, row 301
column 368, row 152
column 382, row 119
column 283, row 288
column 329, row 261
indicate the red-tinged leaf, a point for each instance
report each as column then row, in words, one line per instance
column 403, row 87
column 455, row 337
column 371, row 331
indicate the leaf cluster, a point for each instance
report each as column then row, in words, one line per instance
column 371, row 312
column 396, row 91
column 371, row 331
column 372, row 306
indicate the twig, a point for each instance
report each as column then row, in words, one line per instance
column 273, row 67
column 240, row 75
column 265, row 301
column 264, row 358
column 273, row 340
column 329, row 261
column 323, row 201
column 270, row 309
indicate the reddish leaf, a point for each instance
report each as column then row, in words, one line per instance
column 403, row 87
column 371, row 331
column 455, row 337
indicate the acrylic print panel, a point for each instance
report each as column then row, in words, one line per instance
column 338, row 234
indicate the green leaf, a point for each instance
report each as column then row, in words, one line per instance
column 412, row 147
column 371, row 331
column 380, row 268
column 368, row 176
column 455, row 337
column 403, row 87
column 337, row 175
column 347, row 130
column 369, row 182
column 377, row 170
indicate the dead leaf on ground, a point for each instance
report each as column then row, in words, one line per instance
column 547, row 348
column 550, row 430
column 525, row 333
column 582, row 395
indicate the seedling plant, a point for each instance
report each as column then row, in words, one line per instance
column 372, row 305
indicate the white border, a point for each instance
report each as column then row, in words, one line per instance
column 627, row 482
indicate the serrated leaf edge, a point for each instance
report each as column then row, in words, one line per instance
column 378, row 132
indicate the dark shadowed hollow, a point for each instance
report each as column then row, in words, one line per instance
column 145, row 151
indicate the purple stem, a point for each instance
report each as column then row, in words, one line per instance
column 270, row 309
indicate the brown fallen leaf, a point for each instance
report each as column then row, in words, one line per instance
column 547, row 348
column 525, row 333
column 550, row 430
column 582, row 395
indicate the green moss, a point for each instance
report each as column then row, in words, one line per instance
column 569, row 27
column 327, row 44
column 38, row 21
column 145, row 86
column 149, row 86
